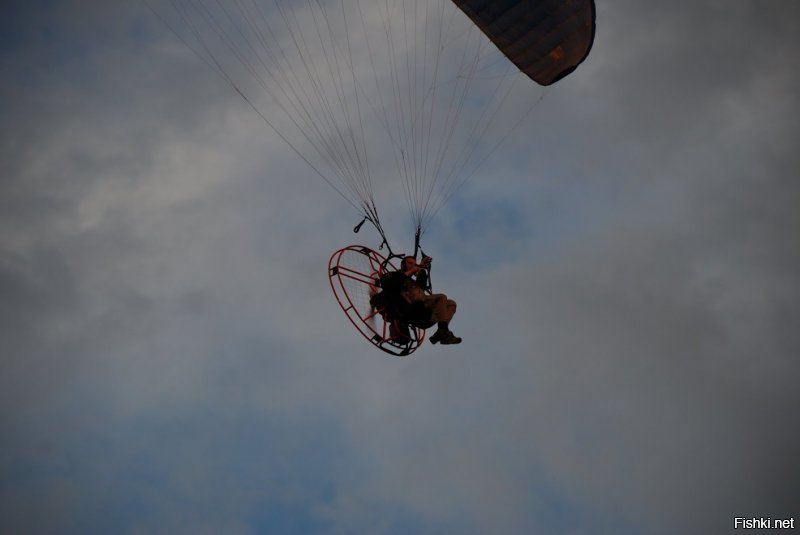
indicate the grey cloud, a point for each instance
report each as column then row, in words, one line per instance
column 630, row 351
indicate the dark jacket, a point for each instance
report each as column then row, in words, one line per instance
column 394, row 296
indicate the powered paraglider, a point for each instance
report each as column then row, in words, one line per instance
column 364, row 89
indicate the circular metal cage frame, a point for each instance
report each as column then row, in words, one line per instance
column 354, row 272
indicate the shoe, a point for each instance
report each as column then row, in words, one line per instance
column 438, row 335
column 400, row 340
column 399, row 334
column 445, row 337
column 449, row 339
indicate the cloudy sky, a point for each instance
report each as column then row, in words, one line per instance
column 627, row 270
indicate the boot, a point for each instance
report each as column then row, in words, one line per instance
column 445, row 337
column 399, row 333
column 449, row 339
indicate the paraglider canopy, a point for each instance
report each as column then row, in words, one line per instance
column 546, row 39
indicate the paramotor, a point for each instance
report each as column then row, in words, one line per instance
column 355, row 273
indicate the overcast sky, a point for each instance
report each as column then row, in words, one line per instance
column 627, row 270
